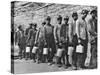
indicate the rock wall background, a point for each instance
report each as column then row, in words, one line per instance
column 32, row 12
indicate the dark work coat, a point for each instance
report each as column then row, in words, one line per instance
column 20, row 39
column 31, row 37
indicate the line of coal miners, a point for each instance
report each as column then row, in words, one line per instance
column 69, row 44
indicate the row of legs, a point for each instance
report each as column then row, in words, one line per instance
column 76, row 60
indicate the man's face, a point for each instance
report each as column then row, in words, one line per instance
column 43, row 24
column 75, row 17
column 59, row 21
column 65, row 21
column 84, row 15
column 93, row 15
column 33, row 27
column 20, row 28
column 47, row 21
column 30, row 26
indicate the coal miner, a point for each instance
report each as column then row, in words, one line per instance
column 20, row 41
column 57, row 30
column 64, row 34
column 82, row 35
column 49, row 39
column 26, row 36
column 72, row 40
column 40, row 41
column 27, row 30
column 31, row 40
column 92, row 43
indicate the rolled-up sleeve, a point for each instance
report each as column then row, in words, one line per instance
column 77, row 28
column 70, row 32
column 55, row 32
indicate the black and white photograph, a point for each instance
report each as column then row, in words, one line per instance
column 52, row 37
